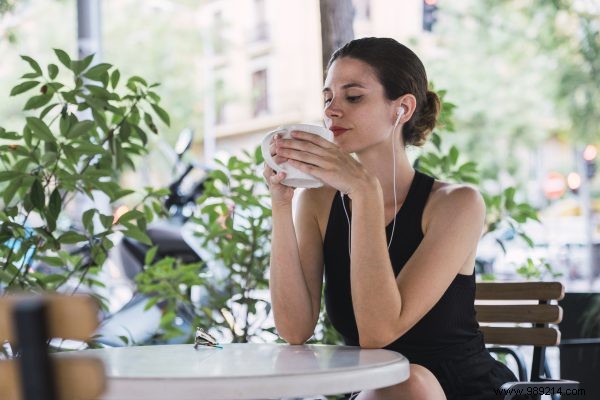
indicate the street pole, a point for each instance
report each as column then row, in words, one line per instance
column 89, row 40
column 209, row 93
column 585, row 199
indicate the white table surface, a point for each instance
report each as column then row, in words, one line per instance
column 244, row 371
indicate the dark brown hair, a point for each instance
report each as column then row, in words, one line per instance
column 400, row 72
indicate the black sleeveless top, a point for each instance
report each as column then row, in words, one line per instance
column 449, row 323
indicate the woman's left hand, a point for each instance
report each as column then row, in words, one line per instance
column 326, row 161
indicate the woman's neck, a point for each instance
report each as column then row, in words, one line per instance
column 381, row 164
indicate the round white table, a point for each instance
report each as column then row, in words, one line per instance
column 244, row 371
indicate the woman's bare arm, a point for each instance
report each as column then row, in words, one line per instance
column 387, row 306
column 296, row 272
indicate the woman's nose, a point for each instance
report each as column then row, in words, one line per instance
column 332, row 110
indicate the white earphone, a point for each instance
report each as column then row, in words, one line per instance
column 400, row 112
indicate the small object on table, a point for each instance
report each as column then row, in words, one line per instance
column 203, row 338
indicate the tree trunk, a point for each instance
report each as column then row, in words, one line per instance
column 337, row 17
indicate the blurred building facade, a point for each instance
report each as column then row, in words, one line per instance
column 262, row 63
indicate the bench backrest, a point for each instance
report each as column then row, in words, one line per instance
column 27, row 323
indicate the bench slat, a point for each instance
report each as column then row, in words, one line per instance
column 520, row 336
column 519, row 291
column 534, row 313
column 69, row 317
column 76, row 378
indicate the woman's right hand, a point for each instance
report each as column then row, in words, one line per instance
column 280, row 194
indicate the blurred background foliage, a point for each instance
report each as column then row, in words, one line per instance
column 161, row 41
column 540, row 78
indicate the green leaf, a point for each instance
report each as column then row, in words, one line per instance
column 106, row 220
column 154, row 96
column 9, row 175
column 258, row 156
column 63, row 57
column 80, row 65
column 95, row 73
column 125, row 131
column 52, row 71
column 81, row 128
column 141, row 134
column 101, row 93
column 130, row 215
column 150, row 122
column 9, row 192
column 23, row 87
column 219, row 175
column 9, row 135
column 138, row 79
column 55, row 204
column 114, row 78
column 150, row 255
column 71, row 238
column 87, row 220
column 37, row 101
column 34, row 65
column 46, row 110
column 66, row 121
column 83, row 64
column 38, row 197
column 148, row 213
column 453, row 155
column 162, row 114
column 40, row 129
column 138, row 235
column 151, row 303
column 30, row 75
column 436, row 140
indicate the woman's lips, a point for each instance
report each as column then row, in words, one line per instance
column 337, row 131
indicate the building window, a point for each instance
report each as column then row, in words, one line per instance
column 260, row 99
column 220, row 101
column 261, row 28
column 218, row 41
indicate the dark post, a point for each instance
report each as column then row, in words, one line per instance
column 337, row 18
column 88, row 29
column 37, row 379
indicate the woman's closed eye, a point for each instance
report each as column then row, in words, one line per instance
column 350, row 99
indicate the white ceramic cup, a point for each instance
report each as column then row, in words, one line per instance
column 294, row 177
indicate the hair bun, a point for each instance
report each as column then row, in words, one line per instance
column 426, row 120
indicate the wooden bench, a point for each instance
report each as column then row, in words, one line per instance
column 523, row 314
column 27, row 322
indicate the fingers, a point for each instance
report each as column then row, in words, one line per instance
column 302, row 145
column 312, row 138
column 277, row 178
column 273, row 150
column 272, row 177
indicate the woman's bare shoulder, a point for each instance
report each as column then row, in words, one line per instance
column 449, row 199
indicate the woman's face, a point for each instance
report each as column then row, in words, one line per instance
column 356, row 109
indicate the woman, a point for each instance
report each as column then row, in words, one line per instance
column 396, row 247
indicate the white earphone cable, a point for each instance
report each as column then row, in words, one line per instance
column 400, row 114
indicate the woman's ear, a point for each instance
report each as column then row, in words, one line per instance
column 407, row 103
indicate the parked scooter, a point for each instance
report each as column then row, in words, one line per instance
column 173, row 239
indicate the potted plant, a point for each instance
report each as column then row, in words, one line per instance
column 83, row 126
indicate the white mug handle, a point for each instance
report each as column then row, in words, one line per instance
column 266, row 151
